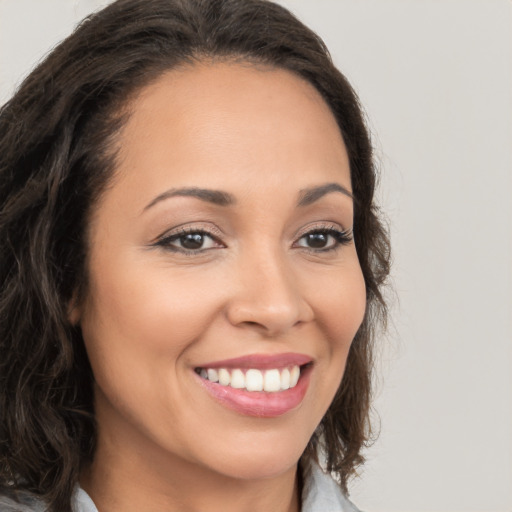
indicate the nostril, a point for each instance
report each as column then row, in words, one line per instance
column 270, row 313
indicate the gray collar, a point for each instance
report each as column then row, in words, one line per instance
column 321, row 493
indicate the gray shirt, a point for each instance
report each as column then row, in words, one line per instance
column 319, row 494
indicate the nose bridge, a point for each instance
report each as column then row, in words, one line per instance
column 268, row 295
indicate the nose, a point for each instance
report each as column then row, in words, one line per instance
column 268, row 296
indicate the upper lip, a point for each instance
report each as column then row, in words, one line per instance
column 263, row 361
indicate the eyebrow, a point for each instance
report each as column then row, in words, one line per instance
column 308, row 196
column 217, row 197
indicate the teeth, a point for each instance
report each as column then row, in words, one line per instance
column 224, row 377
column 272, row 381
column 285, row 379
column 294, row 376
column 237, row 379
column 254, row 380
column 212, row 375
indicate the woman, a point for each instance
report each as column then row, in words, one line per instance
column 191, row 266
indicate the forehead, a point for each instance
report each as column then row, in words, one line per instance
column 221, row 88
column 230, row 123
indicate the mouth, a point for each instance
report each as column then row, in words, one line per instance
column 258, row 385
column 271, row 380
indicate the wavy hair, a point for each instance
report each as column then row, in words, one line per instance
column 57, row 155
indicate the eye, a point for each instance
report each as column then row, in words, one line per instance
column 189, row 241
column 324, row 239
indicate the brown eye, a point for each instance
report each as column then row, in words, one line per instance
column 324, row 239
column 316, row 240
column 190, row 242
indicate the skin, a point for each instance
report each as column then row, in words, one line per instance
column 153, row 314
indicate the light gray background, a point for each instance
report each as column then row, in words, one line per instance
column 436, row 79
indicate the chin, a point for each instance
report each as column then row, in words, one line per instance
column 258, row 463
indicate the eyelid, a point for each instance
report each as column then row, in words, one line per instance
column 164, row 241
column 212, row 231
column 324, row 226
column 340, row 235
column 186, row 228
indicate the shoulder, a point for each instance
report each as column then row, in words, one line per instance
column 21, row 502
column 26, row 502
column 321, row 493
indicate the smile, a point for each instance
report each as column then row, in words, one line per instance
column 271, row 380
column 264, row 386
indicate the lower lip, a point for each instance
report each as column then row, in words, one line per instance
column 261, row 404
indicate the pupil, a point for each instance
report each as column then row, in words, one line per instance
column 192, row 241
column 317, row 240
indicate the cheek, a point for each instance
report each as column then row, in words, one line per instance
column 147, row 307
column 338, row 297
column 348, row 316
column 340, row 303
column 137, row 325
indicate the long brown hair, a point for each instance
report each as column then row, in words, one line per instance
column 57, row 139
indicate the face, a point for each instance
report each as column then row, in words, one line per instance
column 222, row 250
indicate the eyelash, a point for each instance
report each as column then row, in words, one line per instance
column 166, row 241
column 341, row 237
